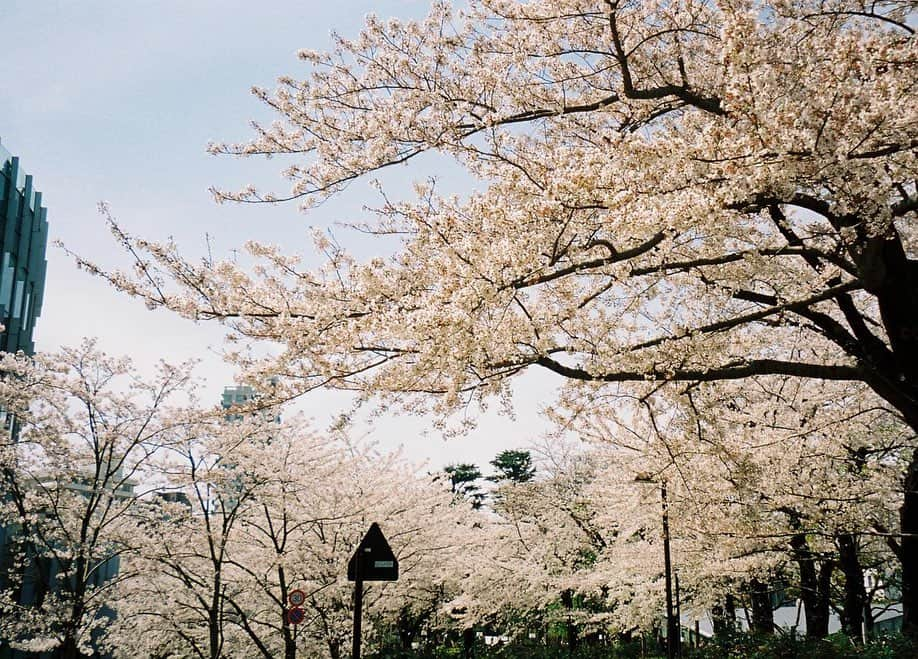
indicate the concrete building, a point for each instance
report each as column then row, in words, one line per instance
column 243, row 398
column 236, row 396
column 23, row 241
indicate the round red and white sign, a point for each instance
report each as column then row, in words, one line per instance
column 296, row 615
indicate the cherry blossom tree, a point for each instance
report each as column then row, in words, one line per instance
column 271, row 508
column 785, row 480
column 682, row 192
column 89, row 429
column 183, row 576
column 551, row 538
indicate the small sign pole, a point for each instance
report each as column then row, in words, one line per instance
column 358, row 613
column 372, row 561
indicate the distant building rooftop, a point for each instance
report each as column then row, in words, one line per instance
column 20, row 184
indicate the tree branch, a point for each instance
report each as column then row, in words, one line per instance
column 733, row 371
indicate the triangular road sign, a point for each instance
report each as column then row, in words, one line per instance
column 373, row 560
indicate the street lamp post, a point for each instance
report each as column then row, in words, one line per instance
column 673, row 637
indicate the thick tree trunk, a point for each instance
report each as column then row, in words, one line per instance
column 69, row 648
column 214, row 644
column 723, row 617
column 286, row 627
column 908, row 520
column 890, row 275
column 408, row 627
column 763, row 621
column 567, row 599
column 823, row 599
column 814, row 587
column 855, row 603
column 468, row 643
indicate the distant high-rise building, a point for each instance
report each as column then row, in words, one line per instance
column 237, row 395
column 23, row 240
column 243, row 396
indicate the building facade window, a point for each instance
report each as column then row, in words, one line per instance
column 23, row 242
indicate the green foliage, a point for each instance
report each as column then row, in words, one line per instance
column 790, row 646
column 738, row 646
column 514, row 651
column 513, row 466
column 463, row 481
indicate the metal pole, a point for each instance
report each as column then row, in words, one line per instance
column 672, row 625
column 358, row 612
column 678, row 614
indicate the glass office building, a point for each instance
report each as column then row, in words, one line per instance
column 23, row 240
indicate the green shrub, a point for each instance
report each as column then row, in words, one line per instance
column 737, row 646
column 792, row 646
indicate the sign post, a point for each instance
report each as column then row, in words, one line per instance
column 372, row 561
column 358, row 615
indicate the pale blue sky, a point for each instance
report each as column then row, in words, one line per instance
column 115, row 100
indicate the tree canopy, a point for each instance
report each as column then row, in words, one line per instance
column 693, row 191
column 679, row 192
column 513, row 465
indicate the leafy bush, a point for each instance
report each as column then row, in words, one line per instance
column 791, row 646
column 737, row 646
